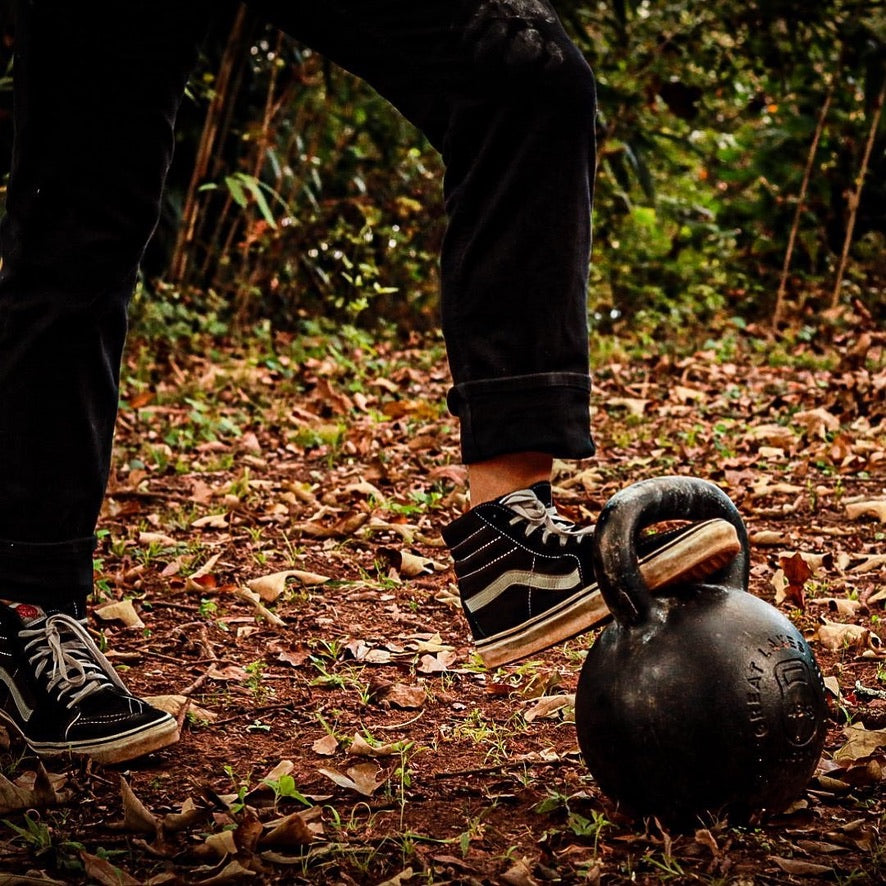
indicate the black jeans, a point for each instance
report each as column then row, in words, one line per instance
column 495, row 85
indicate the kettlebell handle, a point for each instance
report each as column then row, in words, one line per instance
column 642, row 504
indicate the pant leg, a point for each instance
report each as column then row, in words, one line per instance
column 509, row 101
column 97, row 86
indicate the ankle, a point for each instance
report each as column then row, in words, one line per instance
column 506, row 473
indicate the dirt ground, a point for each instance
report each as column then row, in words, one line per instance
column 272, row 532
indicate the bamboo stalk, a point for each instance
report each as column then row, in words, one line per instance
column 179, row 262
column 801, row 202
column 855, row 198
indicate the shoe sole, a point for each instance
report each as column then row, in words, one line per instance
column 704, row 549
column 119, row 749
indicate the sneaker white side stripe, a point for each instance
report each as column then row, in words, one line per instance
column 524, row 577
column 24, row 709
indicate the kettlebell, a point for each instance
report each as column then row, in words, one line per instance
column 703, row 699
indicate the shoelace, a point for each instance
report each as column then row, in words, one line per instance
column 61, row 649
column 529, row 508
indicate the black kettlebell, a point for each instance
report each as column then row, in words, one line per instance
column 704, row 698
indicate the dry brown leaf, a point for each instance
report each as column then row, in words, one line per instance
column 102, row 872
column 325, row 746
column 403, row 696
column 432, row 644
column 122, row 611
column 271, row 587
column 361, row 778
column 841, row 605
column 705, row 838
column 773, row 435
column 798, row 868
column 817, row 422
column 836, row 636
column 875, row 508
column 519, row 874
column 190, row 814
column 633, row 405
column 766, row 537
column 261, row 611
column 436, row 664
column 232, row 872
column 175, row 704
column 227, row 674
column 361, row 748
column 289, row 832
column 222, row 843
column 156, row 538
column 212, row 521
column 860, row 742
column 548, row 705
column 399, row 879
column 136, row 816
column 31, row 790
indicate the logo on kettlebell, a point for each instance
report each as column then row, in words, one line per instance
column 798, row 701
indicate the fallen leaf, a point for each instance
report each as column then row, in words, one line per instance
column 801, row 868
column 136, row 816
column 122, row 611
column 399, row 879
column 836, row 636
column 212, row 521
column 227, row 674
column 360, row 778
column 289, row 832
column 31, row 790
column 232, row 872
column 876, row 508
column 261, row 611
column 222, row 843
column 767, row 537
column 325, row 746
column 548, row 705
column 102, row 872
column 519, row 874
column 798, row 572
column 156, row 538
column 817, row 422
column 271, row 587
column 361, row 748
column 705, row 838
column 403, row 696
column 860, row 742
column 179, row 821
column 436, row 664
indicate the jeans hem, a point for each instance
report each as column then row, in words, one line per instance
column 545, row 412
column 48, row 574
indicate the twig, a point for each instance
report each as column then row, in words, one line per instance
column 801, row 200
column 855, row 198
column 178, row 263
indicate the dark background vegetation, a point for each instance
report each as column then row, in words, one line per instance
column 315, row 197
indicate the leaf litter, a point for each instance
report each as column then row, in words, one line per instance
column 301, row 619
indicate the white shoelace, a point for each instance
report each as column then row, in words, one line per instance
column 529, row 508
column 62, row 649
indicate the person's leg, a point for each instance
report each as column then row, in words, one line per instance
column 97, row 86
column 508, row 100
column 498, row 88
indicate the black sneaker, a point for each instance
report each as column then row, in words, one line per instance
column 526, row 578
column 62, row 695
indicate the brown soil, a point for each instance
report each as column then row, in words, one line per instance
column 481, row 780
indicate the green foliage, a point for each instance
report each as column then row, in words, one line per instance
column 318, row 198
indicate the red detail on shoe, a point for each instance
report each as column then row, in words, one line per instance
column 27, row 612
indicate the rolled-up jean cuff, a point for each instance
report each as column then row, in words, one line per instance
column 53, row 574
column 548, row 412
